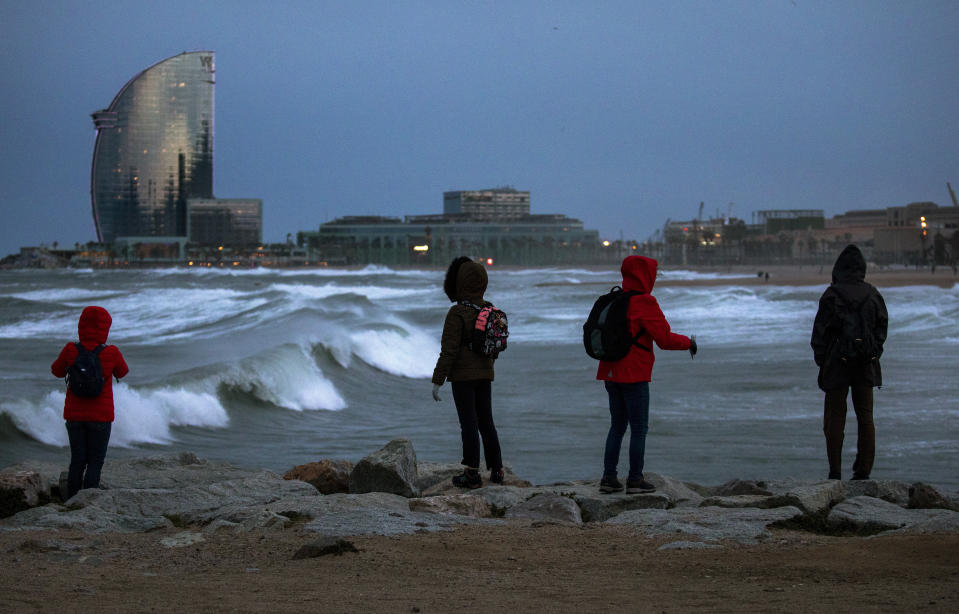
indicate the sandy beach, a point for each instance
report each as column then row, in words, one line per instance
column 521, row 568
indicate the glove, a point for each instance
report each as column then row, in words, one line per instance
column 693, row 348
column 436, row 392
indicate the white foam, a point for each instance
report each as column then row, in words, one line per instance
column 288, row 377
column 140, row 416
column 314, row 292
column 405, row 352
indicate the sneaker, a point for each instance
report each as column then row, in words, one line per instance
column 835, row 475
column 638, row 486
column 608, row 485
column 859, row 476
column 470, row 478
column 496, row 476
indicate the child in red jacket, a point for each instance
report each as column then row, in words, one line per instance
column 89, row 419
column 627, row 380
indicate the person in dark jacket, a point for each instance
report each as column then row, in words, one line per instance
column 89, row 419
column 849, row 297
column 470, row 374
column 627, row 380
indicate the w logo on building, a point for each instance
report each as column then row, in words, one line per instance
column 206, row 61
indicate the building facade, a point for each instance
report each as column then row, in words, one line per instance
column 154, row 150
column 237, row 222
column 494, row 226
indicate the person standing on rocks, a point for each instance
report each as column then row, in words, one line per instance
column 627, row 380
column 847, row 341
column 88, row 408
column 470, row 374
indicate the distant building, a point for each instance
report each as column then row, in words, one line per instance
column 492, row 225
column 225, row 221
column 154, row 153
column 494, row 204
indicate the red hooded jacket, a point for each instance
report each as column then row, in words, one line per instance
column 639, row 274
column 93, row 328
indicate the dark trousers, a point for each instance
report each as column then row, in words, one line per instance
column 834, row 426
column 474, row 407
column 628, row 405
column 88, row 449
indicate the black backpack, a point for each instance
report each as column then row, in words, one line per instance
column 489, row 332
column 855, row 343
column 606, row 331
column 85, row 375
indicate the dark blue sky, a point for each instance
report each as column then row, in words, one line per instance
column 619, row 113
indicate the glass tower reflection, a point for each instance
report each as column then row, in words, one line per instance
column 154, row 149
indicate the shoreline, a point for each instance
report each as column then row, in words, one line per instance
column 151, row 541
column 785, row 275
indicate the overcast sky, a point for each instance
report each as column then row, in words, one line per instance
column 622, row 114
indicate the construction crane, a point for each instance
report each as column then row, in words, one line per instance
column 953, row 195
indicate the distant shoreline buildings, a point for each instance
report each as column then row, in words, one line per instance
column 151, row 191
column 493, row 225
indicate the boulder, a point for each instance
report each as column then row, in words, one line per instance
column 391, row 469
column 460, row 504
column 167, row 471
column 712, row 524
column 90, row 519
column 887, row 490
column 734, row 488
column 327, row 476
column 679, row 493
column 924, row 496
column 20, row 490
column 869, row 515
column 547, row 506
column 758, row 501
column 811, row 498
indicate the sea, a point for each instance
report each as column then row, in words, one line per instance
column 269, row 368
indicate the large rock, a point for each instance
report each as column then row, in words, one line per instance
column 459, row 504
column 869, row 515
column 167, row 471
column 811, row 498
column 547, row 506
column 711, row 524
column 758, row 501
column 887, row 490
column 680, row 494
column 735, row 488
column 924, row 496
column 20, row 490
column 327, row 476
column 89, row 519
column 390, row 469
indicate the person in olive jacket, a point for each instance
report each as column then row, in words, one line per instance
column 849, row 299
column 470, row 374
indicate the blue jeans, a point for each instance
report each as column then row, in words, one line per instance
column 628, row 404
column 88, row 449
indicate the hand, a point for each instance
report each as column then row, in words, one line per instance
column 693, row 348
column 436, row 392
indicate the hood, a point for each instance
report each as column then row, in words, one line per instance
column 471, row 282
column 850, row 266
column 639, row 273
column 94, row 325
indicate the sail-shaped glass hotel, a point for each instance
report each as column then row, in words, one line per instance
column 154, row 150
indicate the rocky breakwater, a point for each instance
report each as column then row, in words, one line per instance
column 390, row 492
